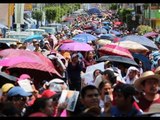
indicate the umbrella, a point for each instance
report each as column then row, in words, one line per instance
column 4, row 46
column 117, row 23
column 68, row 19
column 151, row 34
column 107, row 36
column 106, row 23
column 146, row 62
column 157, row 39
column 39, row 62
column 142, row 40
column 94, row 11
column 115, row 32
column 112, row 49
column 14, row 60
column 106, row 27
column 76, row 46
column 84, row 37
column 118, row 59
column 30, row 38
column 133, row 46
column 116, row 39
column 66, row 41
column 6, row 78
column 103, row 42
column 101, row 31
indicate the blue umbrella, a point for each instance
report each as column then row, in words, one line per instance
column 30, row 38
column 94, row 11
column 146, row 62
column 115, row 32
column 106, row 27
column 101, row 31
column 142, row 40
column 84, row 37
column 106, row 23
column 107, row 36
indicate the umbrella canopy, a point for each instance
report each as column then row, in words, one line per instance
column 84, row 37
column 142, row 40
column 101, row 31
column 107, row 36
column 39, row 62
column 94, row 11
column 69, row 19
column 118, row 23
column 115, row 32
column 76, row 46
column 103, row 42
column 14, row 60
column 133, row 46
column 119, row 59
column 150, row 34
column 30, row 38
column 146, row 62
column 157, row 39
column 112, row 49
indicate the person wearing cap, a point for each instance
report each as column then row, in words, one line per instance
column 19, row 98
column 5, row 88
column 124, row 98
column 74, row 69
column 148, row 84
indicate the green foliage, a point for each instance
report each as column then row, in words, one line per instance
column 142, row 29
column 37, row 15
column 113, row 7
column 50, row 13
column 56, row 11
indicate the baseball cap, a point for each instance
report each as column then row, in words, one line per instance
column 17, row 90
column 74, row 55
column 48, row 93
column 24, row 76
column 6, row 87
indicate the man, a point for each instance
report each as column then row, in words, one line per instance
column 124, row 99
column 148, row 83
column 18, row 97
column 90, row 97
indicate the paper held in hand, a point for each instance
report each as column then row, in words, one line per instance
column 25, row 84
column 70, row 97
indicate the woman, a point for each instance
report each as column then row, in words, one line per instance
column 132, row 75
column 89, row 59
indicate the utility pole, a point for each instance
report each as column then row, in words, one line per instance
column 19, row 13
column 150, row 14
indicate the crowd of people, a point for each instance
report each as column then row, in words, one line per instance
column 121, row 90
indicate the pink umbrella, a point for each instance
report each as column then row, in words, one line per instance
column 76, row 46
column 15, row 60
column 151, row 34
column 112, row 49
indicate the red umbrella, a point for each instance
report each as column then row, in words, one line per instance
column 112, row 49
column 40, row 62
column 116, row 39
column 66, row 41
column 151, row 34
column 117, row 23
column 68, row 19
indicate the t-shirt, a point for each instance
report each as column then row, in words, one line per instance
column 115, row 112
column 145, row 104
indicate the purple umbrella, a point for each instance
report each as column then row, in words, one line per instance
column 76, row 46
column 151, row 34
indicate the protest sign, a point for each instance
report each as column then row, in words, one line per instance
column 25, row 84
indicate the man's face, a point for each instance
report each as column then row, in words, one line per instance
column 92, row 98
column 151, row 86
column 120, row 99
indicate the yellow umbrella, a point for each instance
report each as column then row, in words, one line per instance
column 133, row 46
column 103, row 42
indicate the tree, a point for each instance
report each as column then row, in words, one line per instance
column 50, row 13
column 37, row 15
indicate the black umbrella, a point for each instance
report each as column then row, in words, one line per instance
column 119, row 59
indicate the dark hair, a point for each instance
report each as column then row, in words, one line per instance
column 111, row 76
column 95, row 72
column 102, row 84
column 39, row 103
column 126, row 89
column 88, row 87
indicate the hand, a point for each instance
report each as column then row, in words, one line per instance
column 60, row 108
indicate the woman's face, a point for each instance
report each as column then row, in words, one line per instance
column 49, row 107
column 106, row 89
column 90, row 55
